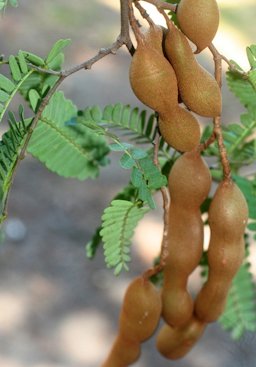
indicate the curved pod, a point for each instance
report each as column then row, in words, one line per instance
column 154, row 37
column 198, row 88
column 228, row 215
column 152, row 78
column 199, row 21
column 123, row 353
column 189, row 185
column 175, row 343
column 179, row 128
column 141, row 310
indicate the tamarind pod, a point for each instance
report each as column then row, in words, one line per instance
column 185, row 241
column 228, row 215
column 177, row 305
column 189, row 185
column 175, row 343
column 189, row 181
column 141, row 310
column 199, row 21
column 179, row 128
column 154, row 37
column 123, row 353
column 152, row 78
column 198, row 88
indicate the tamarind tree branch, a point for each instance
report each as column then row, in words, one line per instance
column 162, row 4
column 122, row 39
column 217, row 120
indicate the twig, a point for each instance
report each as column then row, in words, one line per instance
column 208, row 142
column 166, row 205
column 217, row 120
column 159, row 4
column 134, row 24
column 231, row 66
column 143, row 12
column 122, row 39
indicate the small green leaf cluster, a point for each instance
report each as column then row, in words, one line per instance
column 240, row 312
column 118, row 223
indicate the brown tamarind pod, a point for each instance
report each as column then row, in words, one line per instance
column 189, row 185
column 199, row 21
column 154, row 37
column 179, row 128
column 175, row 343
column 189, row 180
column 228, row 214
column 198, row 88
column 141, row 310
column 152, row 78
column 123, row 353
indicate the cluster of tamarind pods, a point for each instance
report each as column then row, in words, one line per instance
column 162, row 69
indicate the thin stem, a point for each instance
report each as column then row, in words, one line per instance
column 166, row 205
column 231, row 66
column 208, row 142
column 134, row 24
column 122, row 39
column 159, row 4
column 143, row 12
column 217, row 120
column 125, row 28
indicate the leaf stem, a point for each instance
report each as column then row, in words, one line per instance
column 217, row 120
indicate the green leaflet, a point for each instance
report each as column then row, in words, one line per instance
column 118, row 223
column 56, row 50
column 248, row 187
column 129, row 194
column 242, row 89
column 240, row 311
column 64, row 149
column 9, row 86
column 145, row 176
column 10, row 145
column 135, row 123
column 251, row 55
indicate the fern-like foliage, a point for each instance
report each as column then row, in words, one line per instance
column 135, row 123
column 248, row 188
column 240, row 311
column 118, row 223
column 145, row 176
column 10, row 145
column 238, row 140
column 40, row 83
column 67, row 150
column 129, row 193
column 9, row 86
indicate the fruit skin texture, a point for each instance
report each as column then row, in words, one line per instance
column 179, row 128
column 199, row 21
column 228, row 215
column 154, row 37
column 198, row 88
column 138, row 320
column 152, row 78
column 175, row 343
column 189, row 185
column 154, row 83
column 123, row 353
column 141, row 310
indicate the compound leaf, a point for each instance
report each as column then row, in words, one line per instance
column 118, row 223
column 64, row 149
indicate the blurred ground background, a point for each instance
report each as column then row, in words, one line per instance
column 58, row 309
